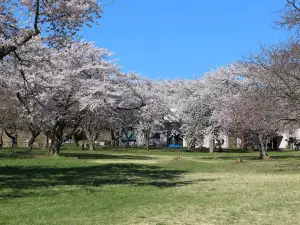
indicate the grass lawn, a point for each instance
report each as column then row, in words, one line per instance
column 134, row 186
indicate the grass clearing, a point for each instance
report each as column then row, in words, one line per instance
column 135, row 186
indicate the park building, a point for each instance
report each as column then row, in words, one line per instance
column 161, row 138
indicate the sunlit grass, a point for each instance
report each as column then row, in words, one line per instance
column 123, row 187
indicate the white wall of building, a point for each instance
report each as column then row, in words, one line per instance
column 221, row 136
column 284, row 142
column 286, row 135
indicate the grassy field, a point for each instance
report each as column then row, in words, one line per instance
column 136, row 186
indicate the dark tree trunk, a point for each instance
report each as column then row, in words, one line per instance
column 75, row 141
column 114, row 139
column 191, row 144
column 57, row 138
column 34, row 134
column 146, row 135
column 219, row 143
column 55, row 149
column 6, row 50
column 127, row 139
column 112, row 136
column 1, row 138
column 30, row 144
column 14, row 138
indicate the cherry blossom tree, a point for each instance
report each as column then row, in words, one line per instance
column 57, row 21
column 71, row 84
column 200, row 102
column 290, row 16
column 32, row 117
column 61, row 81
column 187, row 110
column 253, row 115
column 277, row 68
column 10, row 120
column 152, row 117
column 93, row 122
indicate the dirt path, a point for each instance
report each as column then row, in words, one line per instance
column 153, row 159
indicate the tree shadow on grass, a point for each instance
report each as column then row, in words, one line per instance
column 254, row 157
column 21, row 180
column 236, row 157
column 23, row 154
column 230, row 157
column 177, row 183
column 80, row 155
column 18, row 154
column 285, row 157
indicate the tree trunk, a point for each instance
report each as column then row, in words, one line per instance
column 113, row 143
column 6, row 50
column 1, row 138
column 112, row 137
column 146, row 140
column 211, row 143
column 51, row 147
column 188, row 146
column 262, row 153
column 74, row 140
column 50, row 152
column 191, row 144
column 91, row 141
column 56, row 147
column 91, row 137
column 92, row 145
column 57, row 137
column 46, row 143
column 127, row 139
column 14, row 138
column 262, row 150
column 30, row 144
column 34, row 135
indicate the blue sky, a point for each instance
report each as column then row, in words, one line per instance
column 184, row 39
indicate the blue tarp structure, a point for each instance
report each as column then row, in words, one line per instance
column 174, row 146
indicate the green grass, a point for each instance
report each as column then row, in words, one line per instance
column 135, row 186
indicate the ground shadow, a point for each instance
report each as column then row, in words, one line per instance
column 18, row 154
column 80, row 155
column 177, row 183
column 287, row 167
column 235, row 157
column 23, row 179
column 23, row 154
column 285, row 157
column 246, row 157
